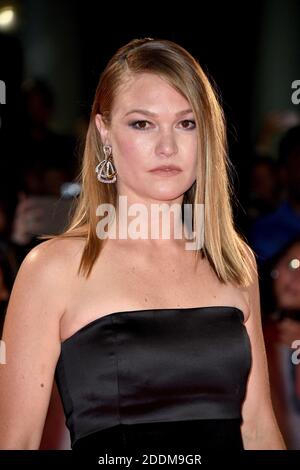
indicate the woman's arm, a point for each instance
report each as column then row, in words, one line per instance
column 259, row 428
column 32, row 338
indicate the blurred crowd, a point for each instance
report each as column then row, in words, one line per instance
column 273, row 231
column 37, row 164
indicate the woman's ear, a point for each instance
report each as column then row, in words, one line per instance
column 103, row 130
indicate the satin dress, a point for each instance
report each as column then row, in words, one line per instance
column 160, row 379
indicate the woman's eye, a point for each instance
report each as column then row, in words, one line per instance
column 141, row 125
column 188, row 124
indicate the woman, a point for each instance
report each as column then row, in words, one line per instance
column 154, row 343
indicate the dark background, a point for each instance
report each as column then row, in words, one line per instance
column 250, row 51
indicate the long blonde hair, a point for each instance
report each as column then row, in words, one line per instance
column 226, row 250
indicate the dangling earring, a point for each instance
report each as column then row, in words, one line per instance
column 106, row 172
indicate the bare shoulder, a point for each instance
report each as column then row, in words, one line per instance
column 54, row 252
column 44, row 278
column 31, row 334
column 52, row 260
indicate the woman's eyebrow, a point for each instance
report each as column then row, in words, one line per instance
column 150, row 113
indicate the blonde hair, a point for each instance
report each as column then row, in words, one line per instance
column 225, row 249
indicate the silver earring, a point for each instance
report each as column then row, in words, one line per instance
column 106, row 172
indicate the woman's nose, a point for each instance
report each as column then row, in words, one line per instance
column 166, row 144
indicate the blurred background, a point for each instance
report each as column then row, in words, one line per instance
column 51, row 55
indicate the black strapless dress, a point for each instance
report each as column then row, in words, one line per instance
column 160, row 379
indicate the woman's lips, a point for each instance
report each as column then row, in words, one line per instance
column 166, row 172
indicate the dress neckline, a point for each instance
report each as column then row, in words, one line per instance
column 108, row 316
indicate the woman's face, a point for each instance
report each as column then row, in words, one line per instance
column 287, row 281
column 151, row 125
